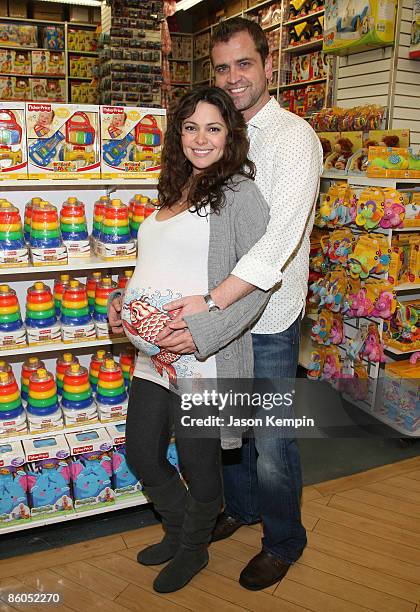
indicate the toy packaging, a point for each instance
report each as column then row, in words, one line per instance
column 63, row 140
column 48, row 90
column 48, row 476
column 103, row 289
column 12, row 331
column 44, row 237
column 315, row 97
column 48, row 62
column 14, row 506
column 76, row 320
column 374, row 138
column 111, row 395
column 12, row 415
column 43, row 409
column 343, row 148
column 77, row 400
column 16, row 35
column 114, row 238
column 399, row 399
column 358, row 25
column 52, row 37
column 15, row 62
column 393, row 162
column 73, row 227
column 14, row 88
column 13, row 160
column 82, row 40
column 131, row 141
column 41, row 321
column 125, row 482
column 414, row 51
column 91, row 468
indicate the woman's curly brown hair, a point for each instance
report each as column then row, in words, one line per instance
column 207, row 187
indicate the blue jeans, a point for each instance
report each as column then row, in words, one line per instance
column 265, row 481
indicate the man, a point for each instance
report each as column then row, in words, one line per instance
column 265, row 484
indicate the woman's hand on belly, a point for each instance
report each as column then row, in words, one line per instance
column 179, row 342
column 114, row 316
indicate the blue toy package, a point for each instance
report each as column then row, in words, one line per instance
column 14, row 506
column 124, row 481
column 48, row 476
column 172, row 455
column 91, row 469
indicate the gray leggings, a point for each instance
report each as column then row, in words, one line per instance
column 152, row 412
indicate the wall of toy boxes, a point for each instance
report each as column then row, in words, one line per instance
column 48, row 63
column 41, row 141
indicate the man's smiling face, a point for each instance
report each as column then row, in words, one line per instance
column 240, row 71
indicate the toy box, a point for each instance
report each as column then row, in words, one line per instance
column 300, row 102
column 83, row 93
column 357, row 25
column 14, row 88
column 131, row 141
column 48, row 476
column 400, row 396
column 48, row 90
column 15, row 62
column 414, row 51
column 52, row 37
column 14, row 507
column 125, row 482
column 393, row 162
column 16, row 35
column 328, row 140
column 48, row 62
column 315, row 97
column 319, row 65
column 63, row 141
column 13, row 160
column 82, row 40
column 344, row 147
column 376, row 138
column 91, row 468
column 301, row 68
column 83, row 67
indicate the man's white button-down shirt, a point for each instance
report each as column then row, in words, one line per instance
column 288, row 157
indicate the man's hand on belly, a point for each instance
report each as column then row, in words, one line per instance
column 114, row 316
column 179, row 341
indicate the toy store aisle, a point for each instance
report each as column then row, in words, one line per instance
column 363, row 554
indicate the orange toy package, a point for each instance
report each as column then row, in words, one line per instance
column 393, row 162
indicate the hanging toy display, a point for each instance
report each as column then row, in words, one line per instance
column 12, row 330
column 76, row 320
column 12, row 415
column 77, row 401
column 41, row 321
column 95, row 363
column 98, row 215
column 127, row 361
column 29, row 367
column 91, row 284
column 100, row 315
column 74, row 229
column 123, row 278
column 59, row 286
column 111, row 396
column 46, row 245
column 43, row 408
column 62, row 364
column 114, row 239
column 13, row 250
column 28, row 216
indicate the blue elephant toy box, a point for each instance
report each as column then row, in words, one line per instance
column 48, row 476
column 124, row 480
column 91, row 469
column 14, row 507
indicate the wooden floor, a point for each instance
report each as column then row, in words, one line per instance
column 363, row 554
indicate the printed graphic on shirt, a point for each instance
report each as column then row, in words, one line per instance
column 143, row 319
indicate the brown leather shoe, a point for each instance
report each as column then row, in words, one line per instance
column 262, row 571
column 225, row 526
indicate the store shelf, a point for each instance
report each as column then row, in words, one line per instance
column 201, row 82
column 137, row 500
column 60, row 346
column 382, row 418
column 414, row 228
column 407, row 287
column 34, row 76
column 273, row 26
column 395, row 351
column 74, row 78
column 202, row 57
column 65, row 430
column 369, row 180
column 173, row 59
column 35, row 184
column 272, row 88
column 258, row 6
column 304, row 18
column 79, row 263
column 302, row 84
column 90, row 53
column 312, row 44
column 181, row 83
column 23, row 48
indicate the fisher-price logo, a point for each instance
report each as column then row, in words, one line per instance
column 119, row 440
column 82, row 449
column 113, row 110
column 40, row 108
column 38, row 456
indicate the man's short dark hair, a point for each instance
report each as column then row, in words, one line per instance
column 226, row 29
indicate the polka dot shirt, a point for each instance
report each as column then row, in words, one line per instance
column 288, row 157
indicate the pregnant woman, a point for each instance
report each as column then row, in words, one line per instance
column 210, row 214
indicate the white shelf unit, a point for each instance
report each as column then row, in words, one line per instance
column 374, row 370
column 177, row 60
column 56, row 191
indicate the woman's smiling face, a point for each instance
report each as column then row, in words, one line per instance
column 204, row 136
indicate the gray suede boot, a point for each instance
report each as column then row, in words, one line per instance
column 169, row 501
column 191, row 556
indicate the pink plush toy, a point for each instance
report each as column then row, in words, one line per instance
column 383, row 305
column 373, row 349
column 360, row 304
column 393, row 214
